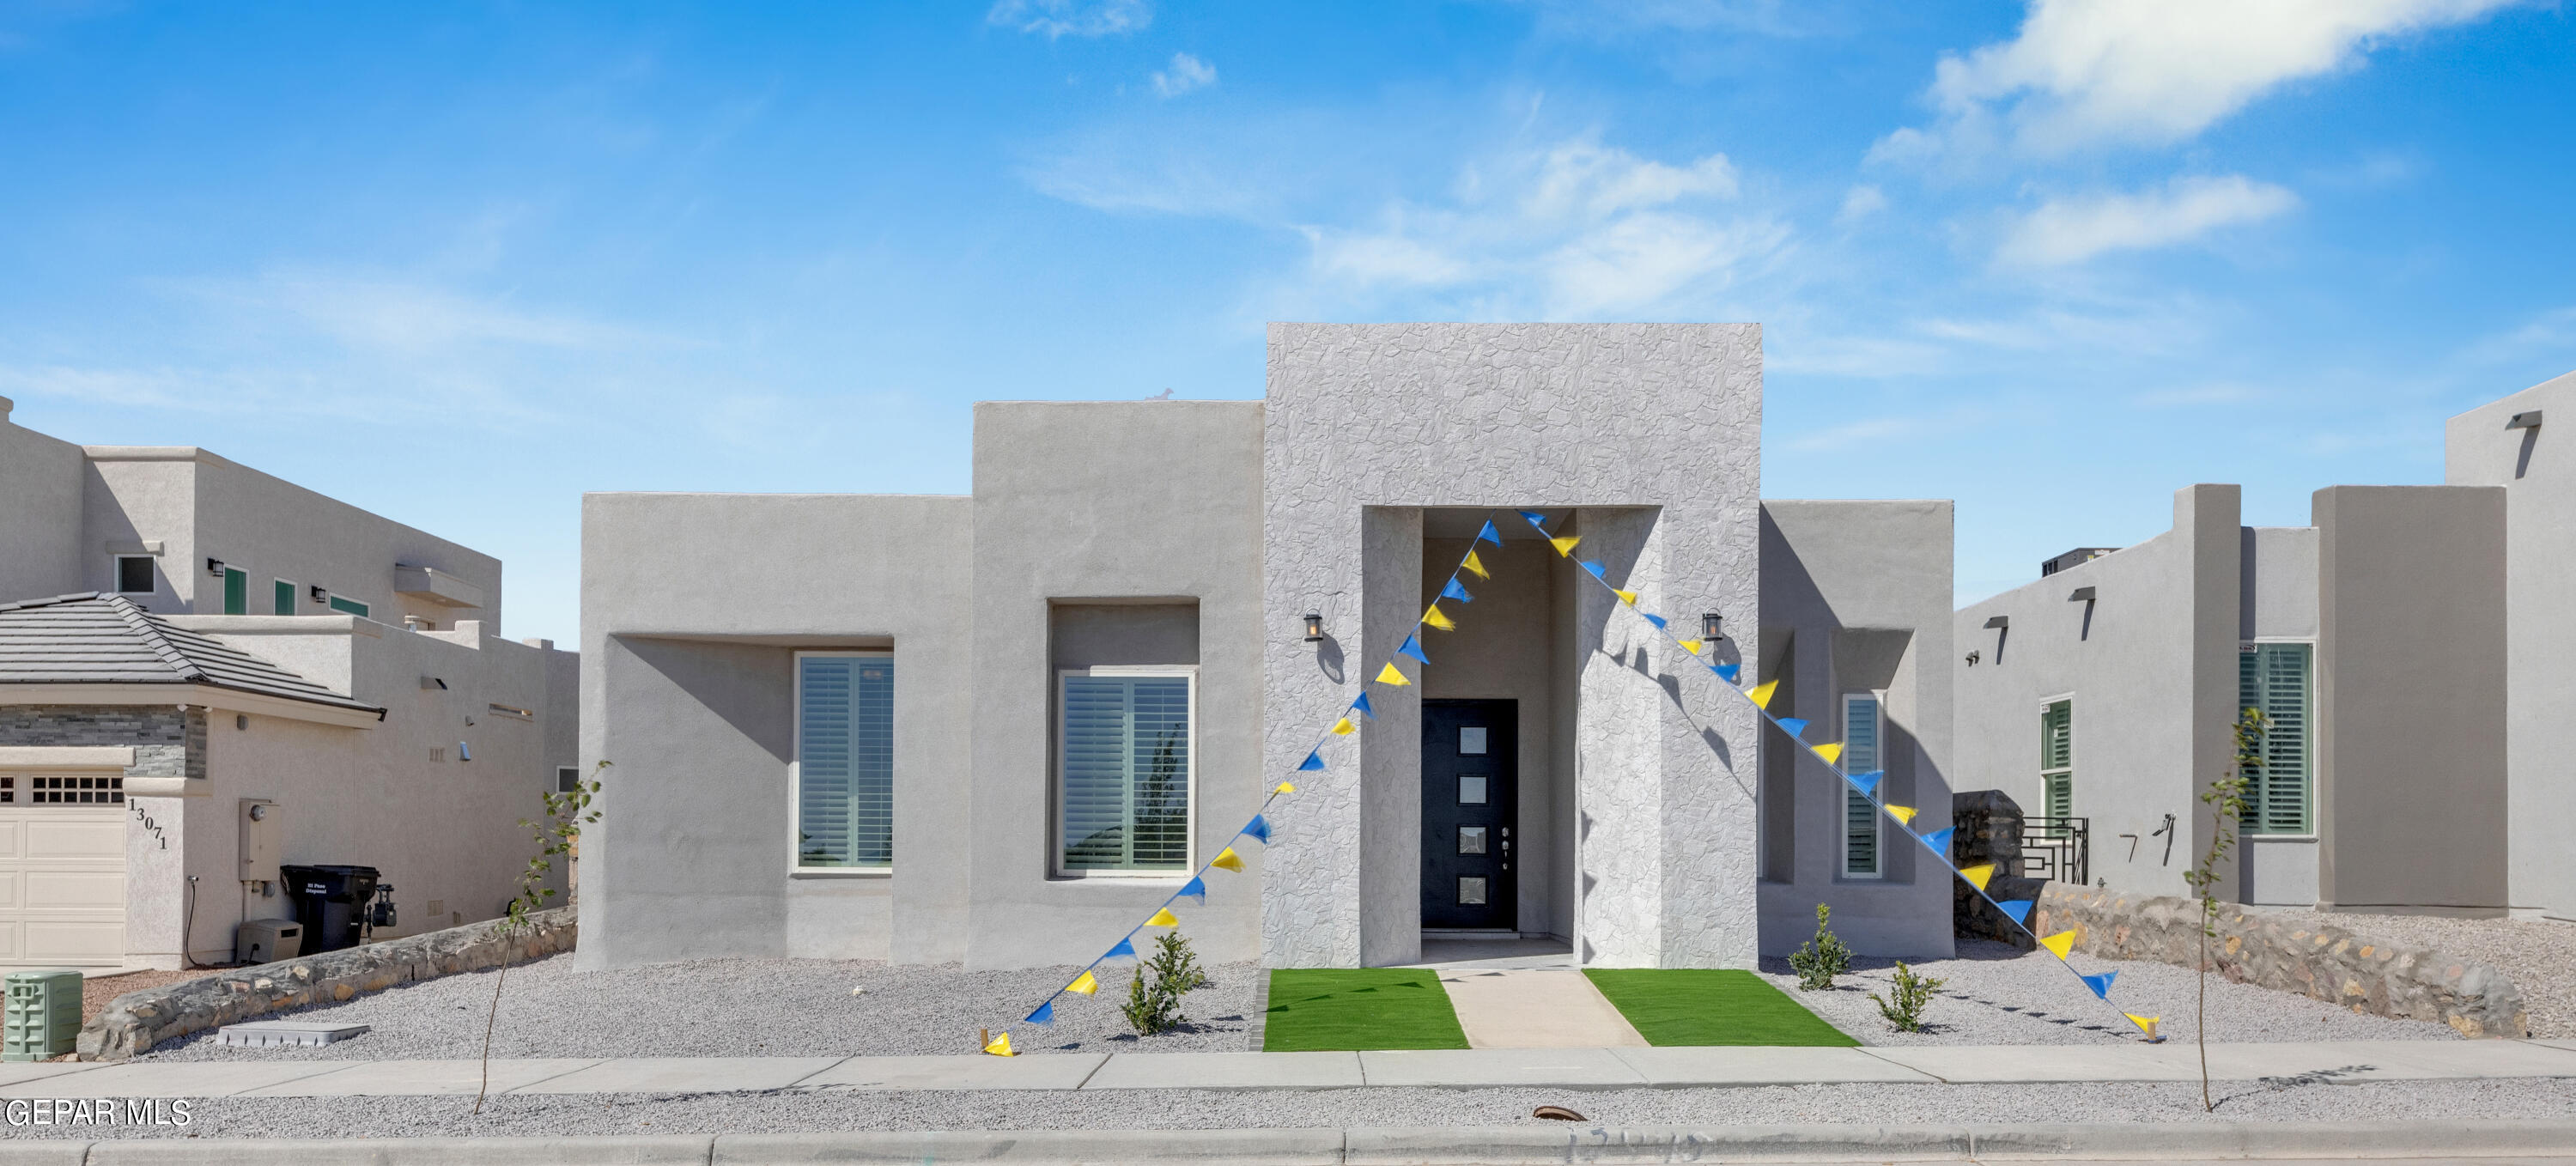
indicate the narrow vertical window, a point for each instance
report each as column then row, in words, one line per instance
column 845, row 760
column 1861, row 754
column 2280, row 788
column 236, row 591
column 1124, row 768
column 282, row 598
column 2057, row 758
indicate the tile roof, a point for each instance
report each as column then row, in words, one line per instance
column 105, row 639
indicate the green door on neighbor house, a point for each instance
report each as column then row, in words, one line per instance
column 236, row 591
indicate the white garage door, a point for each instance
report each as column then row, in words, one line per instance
column 62, row 870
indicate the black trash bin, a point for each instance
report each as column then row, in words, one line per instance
column 330, row 901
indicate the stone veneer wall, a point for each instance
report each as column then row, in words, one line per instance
column 133, row 1023
column 167, row 742
column 2326, row 963
column 1988, row 824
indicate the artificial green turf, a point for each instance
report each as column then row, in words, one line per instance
column 1694, row 1006
column 1359, row 1008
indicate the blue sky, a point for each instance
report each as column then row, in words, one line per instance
column 459, row 263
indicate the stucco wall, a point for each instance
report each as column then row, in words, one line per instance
column 2411, row 725
column 692, row 607
column 1103, row 501
column 1860, row 593
column 40, row 521
column 2539, row 478
column 276, row 529
column 2151, row 665
column 1367, row 420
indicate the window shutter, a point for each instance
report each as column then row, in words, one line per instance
column 2276, row 679
column 2057, row 759
column 1126, row 772
column 845, row 761
column 1860, row 755
column 1095, row 773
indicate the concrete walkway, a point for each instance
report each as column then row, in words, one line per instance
column 1586, row 1068
column 1530, row 1009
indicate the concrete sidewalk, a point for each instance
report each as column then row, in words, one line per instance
column 1596, row 1068
column 1535, row 1008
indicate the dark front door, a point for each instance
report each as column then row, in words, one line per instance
column 1470, row 750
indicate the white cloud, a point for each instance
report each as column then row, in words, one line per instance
column 1187, row 73
column 1059, row 18
column 2084, row 72
column 2066, row 231
column 1861, row 203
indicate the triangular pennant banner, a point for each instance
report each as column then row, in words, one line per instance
column 1227, row 859
column 1125, row 947
column 1938, row 841
column 1343, row 727
column 1595, row 568
column 1437, row 618
column 1164, row 918
column 1904, row 815
column 1314, row 761
column 2101, row 984
column 1654, row 619
column 1830, row 751
column 1411, row 647
column 1258, row 827
column 1692, row 646
column 1626, row 597
column 1196, row 888
column 1285, row 787
column 2019, row 909
column 1044, row 1015
column 1363, row 708
column 1001, row 1046
column 1456, row 590
column 2146, row 1024
column 2060, row 943
column 1083, row 985
column 1727, row 672
column 1489, row 535
column 1978, row 875
column 1477, row 565
column 1792, row 726
column 1565, row 546
column 1760, row 694
column 1867, row 784
column 1389, row 675
column 1535, row 518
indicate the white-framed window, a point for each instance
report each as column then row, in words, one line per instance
column 2057, row 757
column 281, row 597
column 843, row 775
column 2278, row 677
column 1863, row 733
column 134, row 575
column 1126, row 767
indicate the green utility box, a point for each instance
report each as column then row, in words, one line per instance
column 43, row 1014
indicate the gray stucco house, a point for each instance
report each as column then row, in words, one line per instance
column 2414, row 648
column 1001, row 728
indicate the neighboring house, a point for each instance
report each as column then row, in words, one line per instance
column 2414, row 650
column 180, row 638
column 1002, row 728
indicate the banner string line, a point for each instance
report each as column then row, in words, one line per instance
column 2058, row 945
column 1086, row 984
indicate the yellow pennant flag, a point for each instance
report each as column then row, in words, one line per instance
column 2061, row 943
column 1389, row 675
column 1626, row 597
column 1285, row 787
column 1691, row 646
column 1475, row 564
column 1830, row 751
column 1761, row 693
column 1227, row 859
column 1001, row 1046
column 1565, row 546
column 1904, row 815
column 1083, row 984
column 1977, row 876
column 1439, row 619
column 2146, row 1024
column 1164, row 918
column 1343, row 727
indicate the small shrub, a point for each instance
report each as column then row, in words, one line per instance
column 1154, row 992
column 1175, row 964
column 1818, row 961
column 1911, row 993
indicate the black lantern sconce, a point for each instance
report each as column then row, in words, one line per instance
column 1314, row 628
column 1709, row 628
column 215, row 567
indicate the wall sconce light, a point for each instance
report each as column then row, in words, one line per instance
column 320, row 595
column 1314, row 628
column 1709, row 628
column 215, row 567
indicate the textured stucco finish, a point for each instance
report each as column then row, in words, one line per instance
column 1364, row 418
column 40, row 513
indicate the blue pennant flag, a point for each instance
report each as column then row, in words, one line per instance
column 1196, row 888
column 2101, row 984
column 1044, row 1015
column 1314, row 761
column 1595, row 568
column 1654, row 619
column 1124, row 948
column 1792, row 726
column 1867, row 783
column 2019, row 909
column 1454, row 590
column 1412, row 648
column 1258, row 827
column 1727, row 672
column 1535, row 518
column 1939, row 840
column 1488, row 535
column 1361, row 706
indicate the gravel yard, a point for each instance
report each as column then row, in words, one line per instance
column 2540, row 954
column 825, row 1110
column 1996, row 995
column 745, row 1008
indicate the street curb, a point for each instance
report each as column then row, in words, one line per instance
column 1369, row 1146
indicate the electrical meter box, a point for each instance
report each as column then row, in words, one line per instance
column 259, row 831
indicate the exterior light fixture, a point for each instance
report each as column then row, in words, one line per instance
column 215, row 567
column 1314, row 628
column 1709, row 628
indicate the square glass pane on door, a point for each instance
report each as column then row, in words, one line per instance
column 1471, row 740
column 1471, row 891
column 1471, row 840
column 1471, row 789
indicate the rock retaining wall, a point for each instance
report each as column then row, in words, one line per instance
column 133, row 1023
column 2325, row 963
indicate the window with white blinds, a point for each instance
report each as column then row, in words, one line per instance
column 2279, row 791
column 845, row 760
column 1861, row 733
column 1124, row 765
